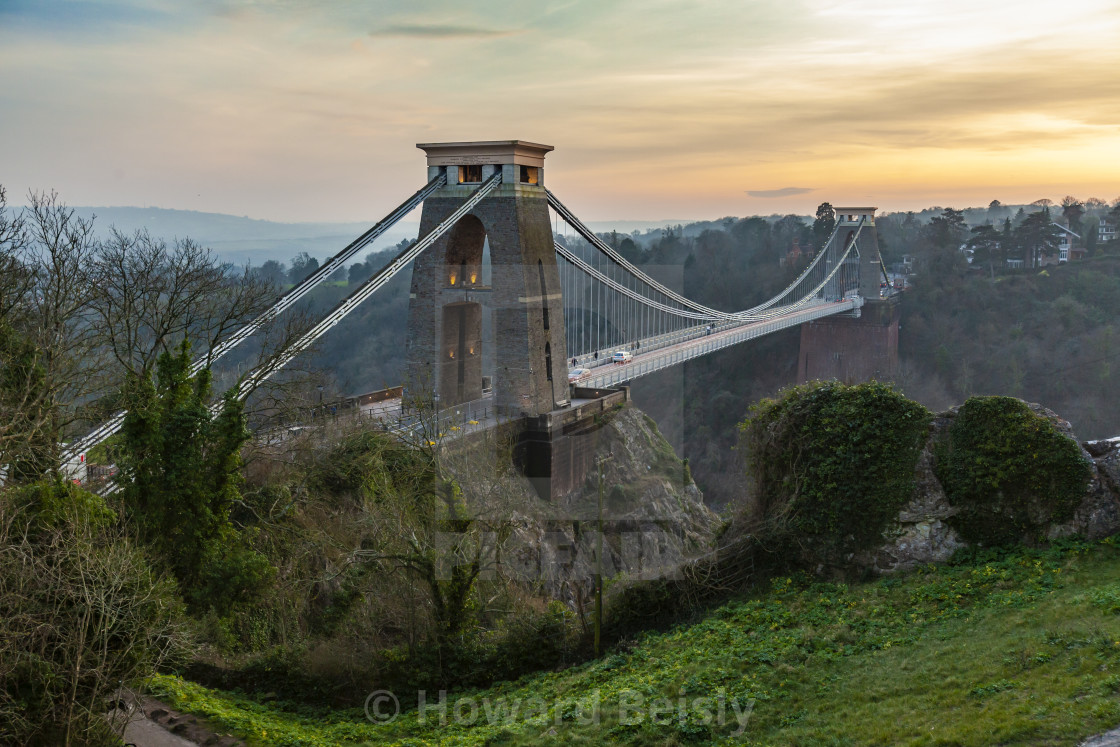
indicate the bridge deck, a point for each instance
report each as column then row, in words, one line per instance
column 472, row 416
column 701, row 343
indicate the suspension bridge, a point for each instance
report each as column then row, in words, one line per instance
column 552, row 305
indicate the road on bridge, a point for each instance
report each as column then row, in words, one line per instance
column 699, row 342
column 470, row 416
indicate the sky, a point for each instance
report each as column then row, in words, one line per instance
column 294, row 110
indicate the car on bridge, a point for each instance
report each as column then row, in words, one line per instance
column 577, row 375
column 622, row 356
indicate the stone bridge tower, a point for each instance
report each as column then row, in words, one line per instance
column 863, row 346
column 449, row 293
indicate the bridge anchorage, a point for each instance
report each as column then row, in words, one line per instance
column 498, row 310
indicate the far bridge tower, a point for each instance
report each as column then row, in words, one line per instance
column 862, row 346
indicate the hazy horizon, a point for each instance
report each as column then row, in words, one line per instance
column 413, row 220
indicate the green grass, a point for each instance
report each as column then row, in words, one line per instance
column 1010, row 649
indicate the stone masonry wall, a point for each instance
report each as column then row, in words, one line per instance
column 517, row 226
column 850, row 349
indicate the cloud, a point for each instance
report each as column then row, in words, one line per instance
column 437, row 31
column 783, row 192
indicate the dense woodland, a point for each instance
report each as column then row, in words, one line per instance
column 323, row 556
column 1047, row 335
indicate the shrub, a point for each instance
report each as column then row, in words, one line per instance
column 532, row 642
column 829, row 466
column 526, row 642
column 230, row 572
column 370, row 463
column 644, row 605
column 55, row 504
column 1010, row 472
column 82, row 614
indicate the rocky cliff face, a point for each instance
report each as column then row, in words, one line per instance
column 1100, row 514
column 654, row 517
column 922, row 535
column 655, row 520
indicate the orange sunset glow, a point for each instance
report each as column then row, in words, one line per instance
column 658, row 109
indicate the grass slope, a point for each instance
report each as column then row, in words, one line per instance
column 1019, row 648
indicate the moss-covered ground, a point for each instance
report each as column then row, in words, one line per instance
column 1009, row 648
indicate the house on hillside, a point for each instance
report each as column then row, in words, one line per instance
column 1106, row 231
column 797, row 253
column 793, row 256
column 1067, row 248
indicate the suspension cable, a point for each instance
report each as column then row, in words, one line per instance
column 367, row 289
column 623, row 263
column 286, row 301
column 743, row 316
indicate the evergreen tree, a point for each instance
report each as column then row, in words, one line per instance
column 303, row 264
column 1073, row 210
column 630, row 250
column 358, row 273
column 947, row 231
column 1006, row 242
column 273, row 272
column 1037, row 236
column 985, row 242
column 180, row 467
column 823, row 225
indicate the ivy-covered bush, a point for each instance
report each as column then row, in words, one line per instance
column 1009, row 471
column 641, row 605
column 182, row 475
column 829, row 465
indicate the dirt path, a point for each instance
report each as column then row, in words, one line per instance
column 1108, row 739
column 153, row 724
column 142, row 732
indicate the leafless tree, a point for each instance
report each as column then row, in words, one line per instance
column 83, row 315
column 15, row 278
column 83, row 613
column 16, row 393
column 51, row 356
column 148, row 296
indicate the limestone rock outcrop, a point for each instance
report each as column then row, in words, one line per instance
column 654, row 516
column 1099, row 515
column 922, row 533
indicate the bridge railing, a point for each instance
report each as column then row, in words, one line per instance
column 669, row 339
column 648, row 344
column 622, row 373
column 439, row 422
